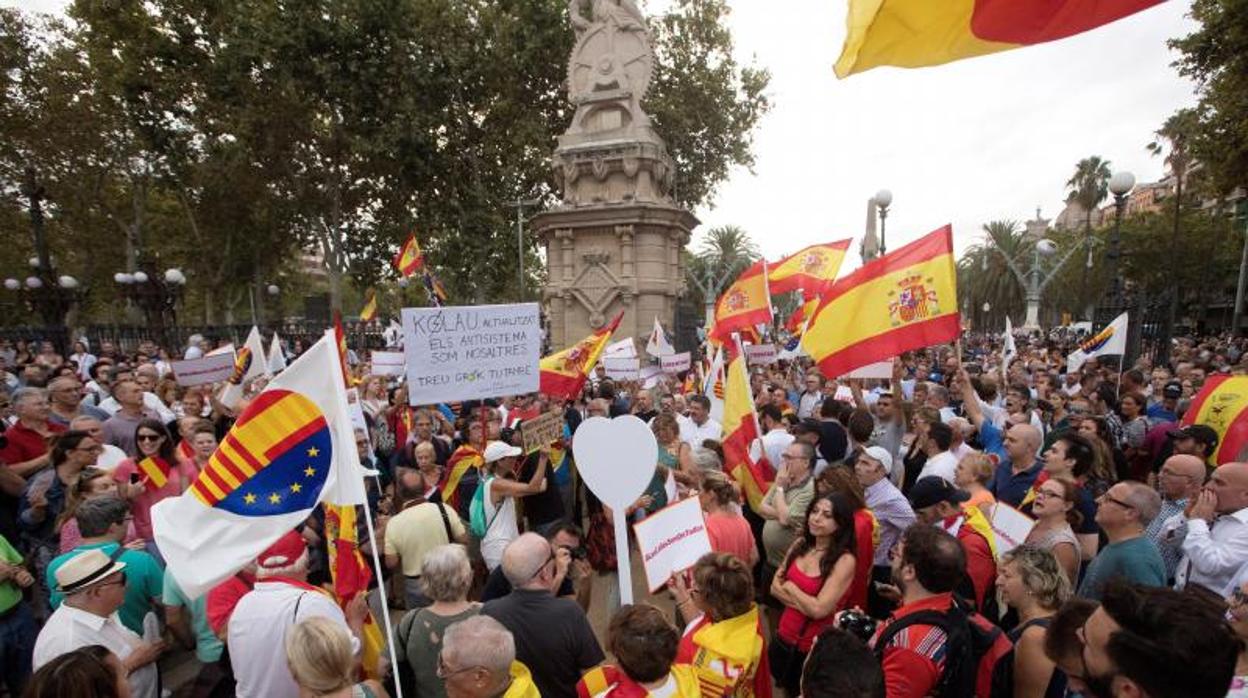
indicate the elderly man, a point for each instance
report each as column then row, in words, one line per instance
column 26, row 450
column 1124, row 512
column 1213, row 550
column 119, row 429
column 478, row 660
column 784, row 505
column 811, row 399
column 65, row 402
column 94, row 587
column 892, row 511
column 1180, row 479
column 553, row 636
column 419, row 527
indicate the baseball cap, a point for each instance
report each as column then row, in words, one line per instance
column 1201, row 432
column 498, row 450
column 84, row 569
column 878, row 453
column 283, row 553
column 934, row 490
column 1173, row 389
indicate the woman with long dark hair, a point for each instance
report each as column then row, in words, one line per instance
column 87, row 672
column 812, row 583
column 842, row 481
column 139, row 479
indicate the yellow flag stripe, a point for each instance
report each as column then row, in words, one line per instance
column 910, row 34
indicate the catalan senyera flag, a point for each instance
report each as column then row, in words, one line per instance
column 369, row 312
column 741, row 430
column 917, row 33
column 409, row 260
column 465, row 457
column 564, row 373
column 350, row 575
column 292, row 448
column 155, row 472
column 340, row 341
column 249, row 363
column 905, row 300
column 1222, row 405
column 747, row 302
column 811, row 269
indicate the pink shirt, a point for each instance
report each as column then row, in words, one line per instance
column 181, row 475
column 730, row 534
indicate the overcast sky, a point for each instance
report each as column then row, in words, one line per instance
column 964, row 143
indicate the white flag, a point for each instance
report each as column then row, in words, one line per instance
column 277, row 359
column 658, row 344
column 249, row 362
column 623, row 349
column 291, row 449
column 1110, row 341
column 1009, row 351
column 713, row 386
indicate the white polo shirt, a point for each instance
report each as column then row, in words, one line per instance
column 943, row 464
column 257, row 635
column 70, row 628
column 694, row 435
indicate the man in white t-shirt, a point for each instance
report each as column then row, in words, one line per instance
column 699, row 426
column 940, row 462
column 775, row 437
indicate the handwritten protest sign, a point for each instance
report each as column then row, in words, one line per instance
column 622, row 368
column 675, row 363
column 388, row 363
column 212, row 368
column 471, row 352
column 1010, row 527
column 671, row 540
column 540, row 431
column 760, row 354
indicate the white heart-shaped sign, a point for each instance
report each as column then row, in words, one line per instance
column 616, row 458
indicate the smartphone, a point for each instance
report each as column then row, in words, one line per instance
column 134, row 478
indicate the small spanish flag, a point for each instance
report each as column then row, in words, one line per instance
column 351, row 576
column 340, row 338
column 409, row 260
column 155, row 472
column 434, row 287
column 811, row 269
column 369, row 312
column 1222, row 405
column 747, row 302
column 564, row 373
column 741, row 430
column 918, row 33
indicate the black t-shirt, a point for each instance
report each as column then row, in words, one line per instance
column 833, row 441
column 646, row 416
column 553, row 638
column 545, row 506
column 497, row 586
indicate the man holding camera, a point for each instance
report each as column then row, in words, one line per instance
column 572, row 578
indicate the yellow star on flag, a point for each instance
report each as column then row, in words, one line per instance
column 313, row 452
column 275, row 498
column 310, row 471
column 296, row 487
column 249, row 498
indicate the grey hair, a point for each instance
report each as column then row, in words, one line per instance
column 706, row 460
column 1144, row 500
column 1042, row 576
column 480, row 641
column 96, row 516
column 524, row 557
column 22, row 394
column 445, row 573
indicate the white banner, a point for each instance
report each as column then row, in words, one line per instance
column 760, row 354
column 671, row 540
column 622, row 368
column 471, row 352
column 624, row 348
column 211, row 368
column 388, row 363
column 675, row 363
column 649, row 376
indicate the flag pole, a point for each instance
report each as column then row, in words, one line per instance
column 385, row 602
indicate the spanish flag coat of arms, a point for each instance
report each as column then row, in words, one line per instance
column 292, row 448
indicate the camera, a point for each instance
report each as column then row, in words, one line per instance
column 577, row 553
column 858, row 624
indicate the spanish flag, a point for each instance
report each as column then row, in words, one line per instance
column 340, row 339
column 155, row 472
column 917, row 33
column 409, row 260
column 1222, row 405
column 812, row 269
column 351, row 576
column 907, row 299
column 797, row 321
column 741, row 430
column 564, row 373
column 747, row 302
column 369, row 312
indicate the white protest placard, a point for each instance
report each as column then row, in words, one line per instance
column 471, row 352
column 211, row 368
column 617, row 476
column 622, row 368
column 1010, row 527
column 649, row 376
column 388, row 363
column 760, row 354
column 879, row 369
column 671, row 540
column 623, row 348
column 675, row 363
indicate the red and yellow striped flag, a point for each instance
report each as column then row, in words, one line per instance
column 409, row 260
column 369, row 312
column 351, row 576
column 464, row 457
column 564, row 373
column 155, row 472
column 812, row 269
column 747, row 302
column 917, row 33
column 797, row 321
column 741, row 430
column 907, row 299
column 1222, row 405
column 341, row 337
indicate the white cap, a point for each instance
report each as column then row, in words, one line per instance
column 880, row 454
column 498, row 450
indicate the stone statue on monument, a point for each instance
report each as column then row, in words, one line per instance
column 612, row 59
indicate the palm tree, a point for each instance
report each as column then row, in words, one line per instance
column 1089, row 186
column 724, row 253
column 1175, row 136
column 985, row 277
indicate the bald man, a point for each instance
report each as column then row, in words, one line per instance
column 1018, row 469
column 1180, row 479
column 1214, row 550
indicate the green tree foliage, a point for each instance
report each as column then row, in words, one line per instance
column 724, row 253
column 984, row 276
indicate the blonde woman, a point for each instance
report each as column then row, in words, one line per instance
column 318, row 652
column 972, row 475
column 1033, row 583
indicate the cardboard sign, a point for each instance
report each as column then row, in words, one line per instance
column 760, row 354
column 1010, row 527
column 879, row 369
column 540, row 431
column 471, row 352
column 671, row 540
column 388, row 363
column 210, row 368
column 675, row 363
column 622, row 368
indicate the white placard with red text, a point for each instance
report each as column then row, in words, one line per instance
column 761, row 354
column 671, row 540
column 675, row 363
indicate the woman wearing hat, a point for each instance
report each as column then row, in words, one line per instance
column 500, row 492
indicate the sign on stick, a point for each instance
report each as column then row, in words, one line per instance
column 622, row 368
column 671, row 540
column 675, row 363
column 388, row 363
column 212, row 368
column 760, row 354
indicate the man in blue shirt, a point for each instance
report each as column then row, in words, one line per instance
column 1167, row 409
column 1018, row 470
column 1124, row 512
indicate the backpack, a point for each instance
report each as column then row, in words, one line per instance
column 477, row 522
column 971, row 652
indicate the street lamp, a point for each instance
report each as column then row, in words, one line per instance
column 155, row 294
column 1120, row 185
column 883, row 199
column 1034, row 280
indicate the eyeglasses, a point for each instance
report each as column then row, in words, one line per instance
column 1117, row 501
column 148, row 437
column 444, row 672
column 1045, row 494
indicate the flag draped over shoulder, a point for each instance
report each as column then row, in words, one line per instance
column 369, row 312
column 464, row 457
column 350, row 575
column 1222, row 405
column 291, row 448
column 904, row 300
column 564, row 373
column 741, row 430
column 747, row 302
column 917, row 33
column 810, row 270
column 1110, row 341
column 409, row 260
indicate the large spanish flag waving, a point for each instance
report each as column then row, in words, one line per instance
column 1222, row 405
column 917, row 33
column 741, row 430
column 563, row 373
column 905, row 300
column 810, row 270
column 747, row 302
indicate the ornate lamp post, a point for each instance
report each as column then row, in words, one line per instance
column 156, row 295
column 1035, row 279
column 883, row 199
column 1120, row 185
column 47, row 294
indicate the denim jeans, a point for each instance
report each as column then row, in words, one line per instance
column 17, row 645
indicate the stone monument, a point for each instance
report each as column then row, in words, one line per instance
column 614, row 240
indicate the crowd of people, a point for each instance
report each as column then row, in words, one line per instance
column 869, row 568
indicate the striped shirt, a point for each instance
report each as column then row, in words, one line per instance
column 893, row 512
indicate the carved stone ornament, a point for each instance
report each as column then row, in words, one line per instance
column 612, row 52
column 596, row 287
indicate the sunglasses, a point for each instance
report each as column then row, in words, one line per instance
column 148, row 437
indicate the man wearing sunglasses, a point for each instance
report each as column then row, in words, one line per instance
column 1123, row 513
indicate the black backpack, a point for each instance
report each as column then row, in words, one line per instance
column 967, row 647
